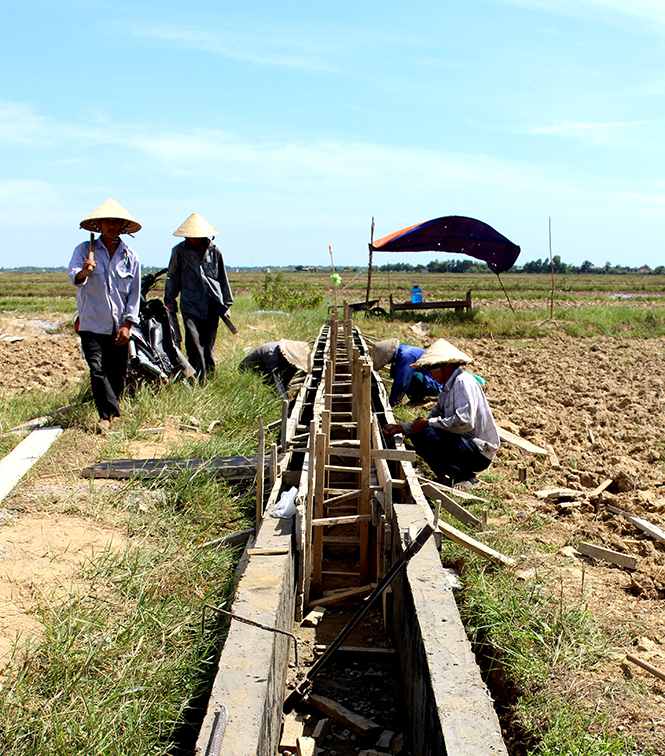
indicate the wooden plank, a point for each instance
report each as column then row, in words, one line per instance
column 455, row 509
column 607, row 555
column 267, row 552
column 306, row 746
column 294, row 726
column 341, row 468
column 397, row 455
column 382, row 472
column 314, row 617
column 317, row 537
column 465, row 495
column 321, row 730
column 369, row 654
column 365, row 432
column 306, row 556
column 343, row 520
column 334, row 597
column 559, row 493
column 354, row 722
column 521, row 443
column 231, row 468
column 385, row 738
column 348, row 496
column 648, row 527
column 17, row 463
column 260, row 474
column 472, row 544
column 605, row 484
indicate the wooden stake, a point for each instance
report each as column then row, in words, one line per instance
column 260, row 473
column 317, row 536
column 365, row 424
column 309, row 513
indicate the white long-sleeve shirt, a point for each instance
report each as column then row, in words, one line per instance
column 463, row 408
column 110, row 295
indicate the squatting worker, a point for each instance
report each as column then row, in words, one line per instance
column 460, row 437
column 197, row 274
column 278, row 361
column 407, row 381
column 108, row 275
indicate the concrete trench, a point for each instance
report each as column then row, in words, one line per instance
column 292, row 567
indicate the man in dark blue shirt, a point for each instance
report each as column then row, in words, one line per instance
column 416, row 384
column 197, row 273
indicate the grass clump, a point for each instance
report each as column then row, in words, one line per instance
column 276, row 292
column 120, row 664
column 524, row 637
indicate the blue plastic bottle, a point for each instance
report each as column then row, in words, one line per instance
column 416, row 294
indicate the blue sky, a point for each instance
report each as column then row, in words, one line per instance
column 289, row 125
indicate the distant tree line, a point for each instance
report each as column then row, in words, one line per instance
column 534, row 266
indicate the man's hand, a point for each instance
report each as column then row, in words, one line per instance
column 418, row 424
column 122, row 336
column 390, row 429
column 88, row 266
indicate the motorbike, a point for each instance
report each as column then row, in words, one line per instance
column 154, row 354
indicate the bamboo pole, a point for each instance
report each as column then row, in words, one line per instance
column 369, row 269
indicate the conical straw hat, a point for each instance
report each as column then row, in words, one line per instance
column 297, row 353
column 383, row 352
column 195, row 227
column 440, row 353
column 110, row 209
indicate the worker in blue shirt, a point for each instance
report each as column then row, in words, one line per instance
column 418, row 385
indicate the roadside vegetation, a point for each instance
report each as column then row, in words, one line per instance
column 121, row 665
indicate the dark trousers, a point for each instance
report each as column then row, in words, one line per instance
column 108, row 370
column 449, row 454
column 200, row 335
column 418, row 390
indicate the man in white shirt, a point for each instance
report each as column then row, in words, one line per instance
column 108, row 275
column 460, row 437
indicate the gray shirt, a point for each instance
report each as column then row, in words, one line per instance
column 197, row 281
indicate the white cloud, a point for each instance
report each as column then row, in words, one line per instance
column 648, row 10
column 597, row 132
column 284, row 51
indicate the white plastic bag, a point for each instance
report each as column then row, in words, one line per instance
column 286, row 506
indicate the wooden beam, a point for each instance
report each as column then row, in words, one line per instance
column 294, row 726
column 348, row 496
column 339, row 713
column 345, row 520
column 334, row 597
column 521, row 443
column 448, row 490
column 648, row 527
column 317, row 537
column 17, row 463
column 260, row 473
column 462, row 539
column 455, row 509
column 607, row 555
